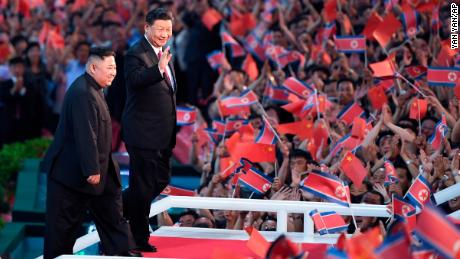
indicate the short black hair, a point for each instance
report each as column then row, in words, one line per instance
column 301, row 153
column 346, row 79
column 101, row 52
column 16, row 61
column 82, row 43
column 191, row 213
column 18, row 38
column 31, row 45
column 158, row 14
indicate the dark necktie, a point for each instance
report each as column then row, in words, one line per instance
column 166, row 69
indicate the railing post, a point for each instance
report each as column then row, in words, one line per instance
column 308, row 229
column 281, row 221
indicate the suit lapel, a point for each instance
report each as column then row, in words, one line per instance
column 153, row 56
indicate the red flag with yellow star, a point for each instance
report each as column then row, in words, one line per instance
column 418, row 109
column 377, row 97
column 303, row 129
column 254, row 152
column 353, row 169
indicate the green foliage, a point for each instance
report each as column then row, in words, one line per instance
column 12, row 156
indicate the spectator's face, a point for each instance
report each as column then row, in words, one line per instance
column 454, row 204
column 385, row 145
column 204, row 220
column 331, row 90
column 428, row 128
column 268, row 225
column 159, row 32
column 104, row 70
column 34, row 54
column 186, row 221
column 298, row 164
column 403, row 181
column 372, row 198
column 17, row 70
column 378, row 177
column 82, row 54
column 20, row 47
column 346, row 93
column 365, row 223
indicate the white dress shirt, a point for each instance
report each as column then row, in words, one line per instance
column 168, row 69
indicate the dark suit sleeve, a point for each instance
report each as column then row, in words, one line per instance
column 85, row 128
column 138, row 75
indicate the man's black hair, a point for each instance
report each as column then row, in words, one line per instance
column 101, row 52
column 189, row 212
column 16, row 61
column 346, row 79
column 158, row 14
column 18, row 38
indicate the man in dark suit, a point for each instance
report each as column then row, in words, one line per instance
column 149, row 121
column 81, row 172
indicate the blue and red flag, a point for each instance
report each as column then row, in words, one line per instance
column 255, row 47
column 443, row 76
column 276, row 94
column 216, row 59
column 410, row 21
column 439, row 134
column 394, row 246
column 297, row 87
column 416, row 72
column 401, row 207
column 291, row 58
column 328, row 222
column 172, row 190
column 213, row 135
column 327, row 186
column 435, row 21
column 349, row 112
column 350, row 44
column 438, row 233
column 236, row 50
column 246, row 98
column 326, row 32
column 419, row 192
column 185, row 116
column 266, row 134
column 348, row 142
column 390, row 173
column 255, row 180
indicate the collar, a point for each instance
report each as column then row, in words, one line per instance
column 154, row 48
column 92, row 82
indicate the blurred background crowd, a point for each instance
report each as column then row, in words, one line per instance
column 229, row 48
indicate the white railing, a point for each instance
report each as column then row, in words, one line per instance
column 281, row 208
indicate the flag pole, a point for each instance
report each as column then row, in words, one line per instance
column 225, row 132
column 250, row 196
column 265, row 116
column 398, row 75
column 318, row 115
column 419, row 119
column 351, row 212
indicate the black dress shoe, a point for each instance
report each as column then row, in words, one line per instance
column 146, row 248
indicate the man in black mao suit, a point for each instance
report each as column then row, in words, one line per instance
column 149, row 121
column 81, row 172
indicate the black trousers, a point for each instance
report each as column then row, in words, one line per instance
column 149, row 174
column 65, row 213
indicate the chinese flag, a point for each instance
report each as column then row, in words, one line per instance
column 362, row 245
column 346, row 24
column 240, row 24
column 418, row 106
column 304, row 129
column 377, row 97
column 254, row 152
column 372, row 23
column 320, row 134
column 257, row 242
column 294, row 107
column 23, row 8
column 250, row 66
column 385, row 30
column 55, row 40
column 330, row 10
column 210, row 18
column 353, row 169
column 383, row 69
column 227, row 166
column 230, row 143
column 359, row 128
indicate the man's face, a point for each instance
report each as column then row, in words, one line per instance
column 17, row 70
column 83, row 53
column 346, row 92
column 104, row 71
column 298, row 164
column 159, row 32
column 186, row 221
column 428, row 128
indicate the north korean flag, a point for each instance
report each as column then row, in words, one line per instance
column 350, row 44
column 394, row 246
column 443, row 76
column 326, row 186
column 236, row 50
column 255, row 181
column 401, row 207
column 255, row 47
column 419, row 192
column 266, row 134
column 438, row 233
column 216, row 59
column 246, row 98
column 416, row 72
column 423, row 252
column 326, row 32
column 439, row 134
column 349, row 113
column 348, row 142
column 387, row 84
column 390, row 173
column 172, row 190
column 297, row 87
column 410, row 21
column 328, row 222
column 213, row 135
column 276, row 94
column 185, row 116
column 290, row 57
